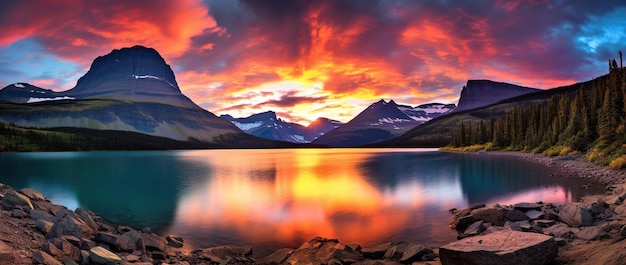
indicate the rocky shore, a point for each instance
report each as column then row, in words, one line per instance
column 35, row 231
column 590, row 231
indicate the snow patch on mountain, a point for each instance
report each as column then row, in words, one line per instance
column 248, row 126
column 33, row 100
column 19, row 85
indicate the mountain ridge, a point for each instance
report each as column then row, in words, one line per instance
column 381, row 121
column 138, row 93
column 267, row 125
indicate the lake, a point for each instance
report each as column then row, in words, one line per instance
column 283, row 197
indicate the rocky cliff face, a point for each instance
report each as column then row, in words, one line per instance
column 481, row 93
column 138, row 74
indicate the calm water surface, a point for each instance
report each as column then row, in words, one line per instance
column 280, row 198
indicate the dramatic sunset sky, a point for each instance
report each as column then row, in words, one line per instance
column 305, row 59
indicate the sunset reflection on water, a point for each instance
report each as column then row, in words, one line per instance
column 281, row 198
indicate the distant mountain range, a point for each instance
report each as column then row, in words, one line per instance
column 267, row 125
column 382, row 121
column 131, row 89
column 134, row 90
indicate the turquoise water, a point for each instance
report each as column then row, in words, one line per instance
column 281, row 198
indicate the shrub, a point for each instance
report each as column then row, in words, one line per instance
column 618, row 163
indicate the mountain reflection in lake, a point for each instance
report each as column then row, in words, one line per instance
column 281, row 198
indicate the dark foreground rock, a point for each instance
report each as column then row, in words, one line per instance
column 504, row 247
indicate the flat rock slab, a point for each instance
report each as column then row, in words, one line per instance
column 504, row 247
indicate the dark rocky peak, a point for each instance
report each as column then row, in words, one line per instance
column 263, row 116
column 27, row 93
column 127, row 64
column 481, row 93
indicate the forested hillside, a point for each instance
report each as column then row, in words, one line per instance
column 591, row 121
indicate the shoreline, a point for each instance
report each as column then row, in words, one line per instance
column 29, row 243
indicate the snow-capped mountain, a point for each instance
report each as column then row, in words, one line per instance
column 382, row 121
column 267, row 125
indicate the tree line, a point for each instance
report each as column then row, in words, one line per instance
column 593, row 119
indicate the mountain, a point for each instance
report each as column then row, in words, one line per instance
column 480, row 93
column 130, row 89
column 321, row 126
column 381, row 121
column 268, row 126
column 438, row 132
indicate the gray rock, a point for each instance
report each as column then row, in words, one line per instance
column 45, row 258
column 278, row 257
column 534, row 214
column 153, row 242
column 52, row 250
column 66, row 223
column 87, row 218
column 6, row 253
column 323, row 251
column 225, row 254
column 414, row 252
column 33, row 194
column 526, row 206
column 560, row 230
column 575, row 215
column 591, row 233
column 475, row 229
column 100, row 255
column 39, row 214
column 174, row 241
column 518, row 226
column 543, row 223
column 377, row 251
column 461, row 223
column 18, row 213
column 498, row 215
column 13, row 198
column 500, row 248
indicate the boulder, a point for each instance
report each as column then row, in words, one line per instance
column 224, row 254
column 100, row 255
column 44, row 226
column 591, row 233
column 40, row 214
column 498, row 215
column 52, row 250
column 527, row 206
column 277, row 257
column 33, row 194
column 576, row 215
column 6, row 253
column 18, row 213
column 414, row 252
column 475, row 229
column 500, row 248
column 13, row 199
column 87, row 218
column 45, row 258
column 174, row 241
column 153, row 242
column 560, row 230
column 534, row 214
column 323, row 251
column 66, row 223
column 377, row 251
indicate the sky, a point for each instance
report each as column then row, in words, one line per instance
column 305, row 59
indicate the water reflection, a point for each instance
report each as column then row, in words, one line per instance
column 280, row 198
